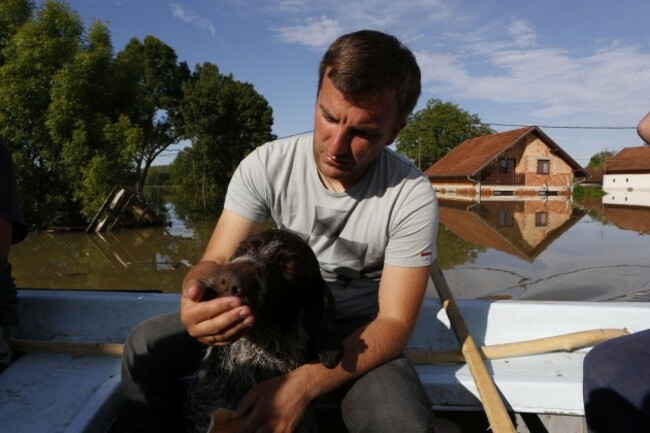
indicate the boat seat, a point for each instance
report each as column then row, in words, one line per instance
column 548, row 383
column 54, row 392
column 66, row 393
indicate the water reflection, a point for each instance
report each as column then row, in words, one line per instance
column 523, row 229
column 544, row 249
column 150, row 259
column 628, row 210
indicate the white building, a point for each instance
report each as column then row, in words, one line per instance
column 628, row 171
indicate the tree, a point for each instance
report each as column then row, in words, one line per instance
column 13, row 14
column 224, row 119
column 97, row 142
column 153, row 84
column 601, row 158
column 35, row 53
column 435, row 130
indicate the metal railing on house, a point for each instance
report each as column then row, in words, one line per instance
column 504, row 179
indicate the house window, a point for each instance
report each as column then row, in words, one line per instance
column 506, row 219
column 506, row 165
column 541, row 219
column 543, row 166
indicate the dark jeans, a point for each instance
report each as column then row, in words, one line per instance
column 617, row 385
column 159, row 351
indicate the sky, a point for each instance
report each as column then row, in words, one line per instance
column 578, row 69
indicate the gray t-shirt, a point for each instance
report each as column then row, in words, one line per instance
column 390, row 216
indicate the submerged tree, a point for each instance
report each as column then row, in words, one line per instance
column 153, row 83
column 80, row 120
column 97, row 142
column 13, row 14
column 32, row 57
column 224, row 119
column 435, row 130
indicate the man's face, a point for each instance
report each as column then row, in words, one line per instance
column 347, row 138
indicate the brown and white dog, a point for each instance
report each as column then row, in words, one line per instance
column 277, row 274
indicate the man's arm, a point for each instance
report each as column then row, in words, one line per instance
column 282, row 401
column 218, row 321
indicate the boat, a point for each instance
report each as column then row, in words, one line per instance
column 69, row 382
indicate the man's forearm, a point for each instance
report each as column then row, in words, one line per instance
column 380, row 341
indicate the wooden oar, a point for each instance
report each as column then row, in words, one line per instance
column 110, row 349
column 556, row 343
column 495, row 409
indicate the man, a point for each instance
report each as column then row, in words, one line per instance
column 369, row 215
column 616, row 378
column 12, row 230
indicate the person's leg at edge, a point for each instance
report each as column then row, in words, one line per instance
column 616, row 385
column 388, row 399
column 157, row 354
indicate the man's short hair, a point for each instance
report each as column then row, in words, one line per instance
column 368, row 66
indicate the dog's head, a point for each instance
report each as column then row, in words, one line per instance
column 277, row 275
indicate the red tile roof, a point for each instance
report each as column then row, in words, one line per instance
column 630, row 159
column 472, row 155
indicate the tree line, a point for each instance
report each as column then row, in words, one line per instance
column 79, row 118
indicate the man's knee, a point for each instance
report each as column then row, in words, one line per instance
column 387, row 399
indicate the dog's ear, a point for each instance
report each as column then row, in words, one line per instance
column 323, row 325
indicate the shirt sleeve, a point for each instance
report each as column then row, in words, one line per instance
column 248, row 189
column 412, row 233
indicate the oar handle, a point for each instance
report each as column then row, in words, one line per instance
column 495, row 409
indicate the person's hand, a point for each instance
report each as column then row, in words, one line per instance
column 273, row 406
column 215, row 322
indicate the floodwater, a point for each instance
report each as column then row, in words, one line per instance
column 541, row 249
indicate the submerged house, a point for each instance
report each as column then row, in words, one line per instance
column 523, row 162
column 628, row 170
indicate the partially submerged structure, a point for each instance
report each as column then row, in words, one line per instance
column 524, row 162
column 122, row 207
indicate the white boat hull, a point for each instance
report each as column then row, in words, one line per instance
column 72, row 393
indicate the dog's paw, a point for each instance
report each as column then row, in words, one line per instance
column 330, row 358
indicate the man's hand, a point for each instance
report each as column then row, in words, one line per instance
column 217, row 322
column 274, row 406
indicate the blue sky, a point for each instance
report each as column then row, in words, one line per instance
column 552, row 63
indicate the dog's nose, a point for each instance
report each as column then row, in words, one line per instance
column 230, row 284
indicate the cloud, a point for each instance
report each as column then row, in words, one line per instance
column 319, row 23
column 553, row 83
column 501, row 63
column 190, row 17
column 315, row 32
column 522, row 32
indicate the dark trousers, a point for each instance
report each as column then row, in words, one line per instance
column 159, row 351
column 617, row 385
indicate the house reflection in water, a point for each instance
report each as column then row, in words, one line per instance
column 521, row 228
column 627, row 210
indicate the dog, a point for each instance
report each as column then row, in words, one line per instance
column 277, row 275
